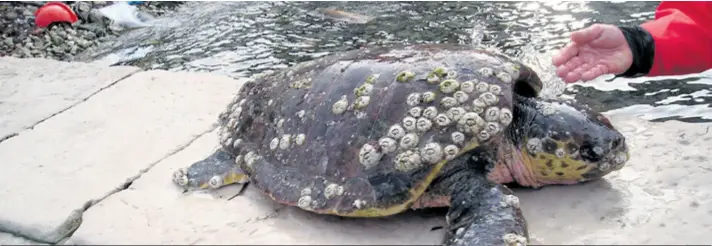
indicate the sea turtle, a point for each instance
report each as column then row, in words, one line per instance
column 379, row 130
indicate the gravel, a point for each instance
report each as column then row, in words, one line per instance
column 19, row 37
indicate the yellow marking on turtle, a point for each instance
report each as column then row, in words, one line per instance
column 415, row 193
column 547, row 166
column 230, row 178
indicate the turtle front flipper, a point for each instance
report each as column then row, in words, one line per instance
column 482, row 213
column 215, row 171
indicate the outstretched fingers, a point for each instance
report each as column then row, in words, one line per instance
column 587, row 35
column 578, row 39
column 566, row 71
column 570, row 66
column 565, row 54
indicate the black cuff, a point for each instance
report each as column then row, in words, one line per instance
column 642, row 46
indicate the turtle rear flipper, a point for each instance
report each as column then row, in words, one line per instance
column 217, row 170
column 482, row 213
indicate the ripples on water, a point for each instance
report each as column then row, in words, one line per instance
column 243, row 39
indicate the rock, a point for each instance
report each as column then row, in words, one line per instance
column 19, row 38
column 82, row 43
column 115, row 28
column 56, row 39
column 57, row 50
column 28, row 12
column 26, row 52
column 62, row 33
column 95, row 17
column 11, row 16
column 83, row 9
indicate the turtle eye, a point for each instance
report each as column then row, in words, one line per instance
column 591, row 153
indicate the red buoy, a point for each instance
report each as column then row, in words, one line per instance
column 54, row 12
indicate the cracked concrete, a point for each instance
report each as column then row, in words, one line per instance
column 77, row 157
column 154, row 211
column 108, row 160
column 662, row 197
column 9, row 239
column 32, row 90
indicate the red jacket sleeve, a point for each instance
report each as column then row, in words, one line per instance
column 682, row 32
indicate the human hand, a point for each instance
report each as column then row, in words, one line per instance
column 594, row 51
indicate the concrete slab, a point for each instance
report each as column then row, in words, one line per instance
column 661, row 197
column 8, row 239
column 33, row 89
column 90, row 150
column 154, row 211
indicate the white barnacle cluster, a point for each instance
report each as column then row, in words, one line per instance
column 615, row 161
column 534, row 145
column 233, row 113
column 415, row 111
column 306, row 201
column 467, row 111
column 604, row 166
column 251, row 158
column 560, row 153
column 225, row 136
column 620, row 158
column 361, row 102
column 362, row 97
column 408, row 160
column 340, row 106
column 449, row 86
column 180, row 177
column 215, row 182
column 511, row 69
column 428, row 97
column 431, row 153
column 546, row 108
column 405, row 76
column 369, row 155
column 301, row 83
column 510, row 201
column 461, row 96
column 333, row 190
column 287, row 140
column 511, row 239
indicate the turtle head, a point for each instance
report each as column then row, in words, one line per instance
column 563, row 142
column 215, row 171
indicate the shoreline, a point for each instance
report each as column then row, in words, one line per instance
column 20, row 38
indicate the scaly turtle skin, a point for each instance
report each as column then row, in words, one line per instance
column 377, row 131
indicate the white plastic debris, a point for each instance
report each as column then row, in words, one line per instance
column 123, row 14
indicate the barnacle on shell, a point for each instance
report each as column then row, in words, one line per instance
column 467, row 86
column 428, row 96
column 405, row 76
column 449, row 86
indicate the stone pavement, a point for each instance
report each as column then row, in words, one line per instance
column 88, row 152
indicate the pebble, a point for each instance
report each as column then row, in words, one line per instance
column 61, row 41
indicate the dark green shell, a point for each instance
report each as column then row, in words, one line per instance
column 361, row 132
